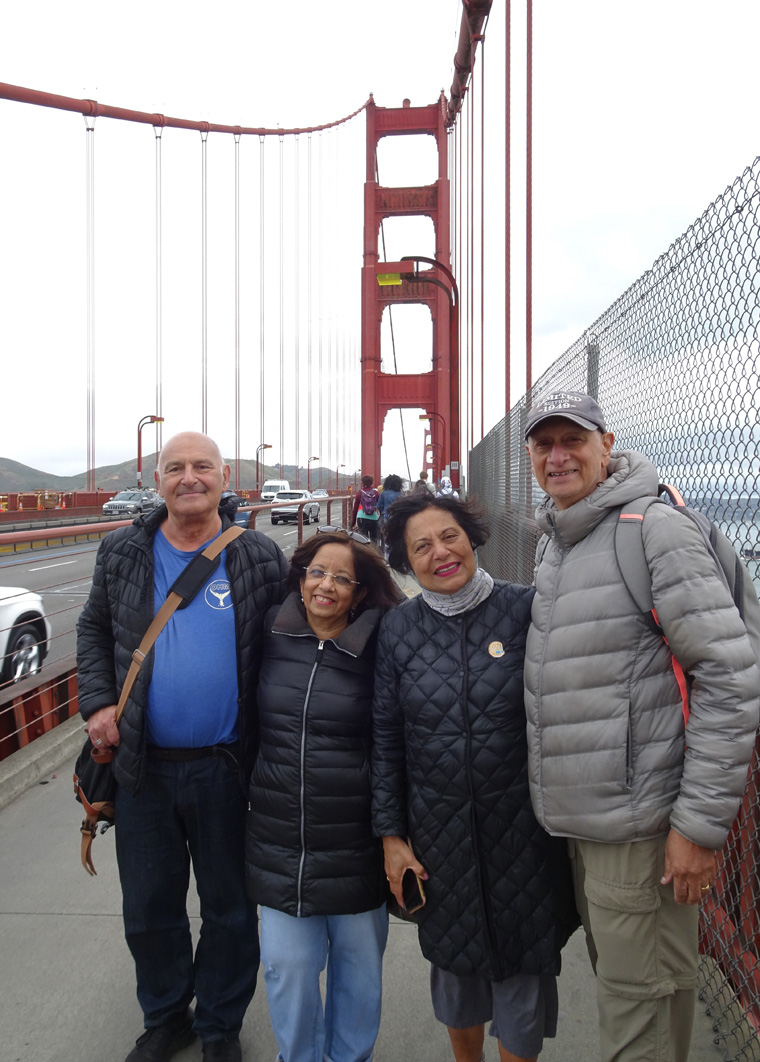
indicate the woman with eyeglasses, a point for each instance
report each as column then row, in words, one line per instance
column 312, row 862
column 450, row 782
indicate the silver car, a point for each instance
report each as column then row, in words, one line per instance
column 284, row 511
column 131, row 502
column 24, row 633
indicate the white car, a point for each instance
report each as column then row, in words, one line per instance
column 284, row 511
column 24, row 633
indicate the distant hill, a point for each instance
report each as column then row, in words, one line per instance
column 17, row 477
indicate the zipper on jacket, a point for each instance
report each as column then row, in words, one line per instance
column 302, row 793
column 557, row 538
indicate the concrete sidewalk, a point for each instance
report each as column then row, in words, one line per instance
column 67, row 981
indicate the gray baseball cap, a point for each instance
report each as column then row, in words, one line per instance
column 573, row 405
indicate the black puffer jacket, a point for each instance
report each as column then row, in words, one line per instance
column 450, row 771
column 310, row 847
column 120, row 608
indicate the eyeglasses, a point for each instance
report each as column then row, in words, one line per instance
column 341, row 580
column 329, row 529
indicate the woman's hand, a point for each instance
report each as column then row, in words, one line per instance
column 398, row 858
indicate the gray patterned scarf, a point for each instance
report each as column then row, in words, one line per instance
column 471, row 594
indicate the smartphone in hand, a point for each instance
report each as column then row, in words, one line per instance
column 413, row 891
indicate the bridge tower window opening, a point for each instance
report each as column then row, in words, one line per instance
column 406, row 161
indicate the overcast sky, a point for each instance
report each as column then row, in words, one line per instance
column 643, row 114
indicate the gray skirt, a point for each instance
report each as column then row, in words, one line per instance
column 522, row 1009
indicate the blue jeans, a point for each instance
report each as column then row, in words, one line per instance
column 194, row 810
column 294, row 952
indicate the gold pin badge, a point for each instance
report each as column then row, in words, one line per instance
column 496, row 649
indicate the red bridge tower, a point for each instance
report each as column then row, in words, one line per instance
column 412, row 280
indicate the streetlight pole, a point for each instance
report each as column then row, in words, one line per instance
column 337, row 487
column 308, row 471
column 259, row 448
column 150, row 419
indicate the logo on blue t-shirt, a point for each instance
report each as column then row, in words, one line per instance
column 218, row 594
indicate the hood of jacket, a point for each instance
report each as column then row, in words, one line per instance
column 630, row 475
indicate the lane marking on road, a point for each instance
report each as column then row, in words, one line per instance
column 45, row 567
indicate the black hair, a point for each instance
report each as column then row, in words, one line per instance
column 393, row 483
column 467, row 514
column 371, row 571
column 367, row 481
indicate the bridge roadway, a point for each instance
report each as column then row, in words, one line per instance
column 67, row 981
column 62, row 575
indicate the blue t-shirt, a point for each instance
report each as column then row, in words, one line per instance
column 192, row 699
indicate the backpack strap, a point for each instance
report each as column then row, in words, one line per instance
column 629, row 553
column 632, row 562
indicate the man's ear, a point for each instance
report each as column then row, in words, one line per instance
column 607, row 440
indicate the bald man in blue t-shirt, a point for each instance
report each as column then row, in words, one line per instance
column 183, row 748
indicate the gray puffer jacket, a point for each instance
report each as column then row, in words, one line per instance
column 609, row 757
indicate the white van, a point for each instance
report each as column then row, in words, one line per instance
column 272, row 487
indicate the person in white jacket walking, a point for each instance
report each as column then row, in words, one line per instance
column 644, row 786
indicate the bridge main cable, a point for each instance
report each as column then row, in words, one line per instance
column 93, row 109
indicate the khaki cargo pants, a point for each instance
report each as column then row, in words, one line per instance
column 643, row 947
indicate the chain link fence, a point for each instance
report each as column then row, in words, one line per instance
column 675, row 365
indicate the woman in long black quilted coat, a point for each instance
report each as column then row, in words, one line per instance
column 450, row 786
column 312, row 861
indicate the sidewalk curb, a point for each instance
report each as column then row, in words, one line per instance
column 29, row 765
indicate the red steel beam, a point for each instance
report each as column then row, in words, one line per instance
column 474, row 15
column 93, row 109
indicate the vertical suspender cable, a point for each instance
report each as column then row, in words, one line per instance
column 332, row 389
column 89, row 123
column 452, row 142
column 320, row 274
column 204, row 285
column 508, row 208
column 460, row 273
column 282, row 309
column 309, row 252
column 482, row 228
column 158, row 130
column 297, row 298
column 471, row 261
column 262, row 262
column 237, row 313
column 393, row 344
column 529, row 207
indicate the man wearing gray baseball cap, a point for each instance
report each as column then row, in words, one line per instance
column 609, row 723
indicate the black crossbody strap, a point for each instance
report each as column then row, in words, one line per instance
column 181, row 594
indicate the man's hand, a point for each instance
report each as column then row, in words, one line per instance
column 398, row 858
column 101, row 726
column 689, row 867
